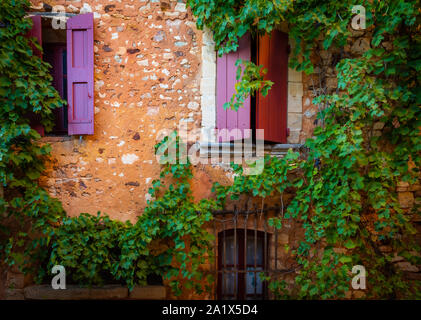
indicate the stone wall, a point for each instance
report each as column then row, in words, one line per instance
column 153, row 71
column 147, row 78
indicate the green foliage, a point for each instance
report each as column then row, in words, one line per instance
column 345, row 189
column 176, row 218
column 169, row 239
column 95, row 250
column 230, row 20
column 251, row 81
column 25, row 91
column 89, row 247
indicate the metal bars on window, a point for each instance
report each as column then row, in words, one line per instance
column 246, row 248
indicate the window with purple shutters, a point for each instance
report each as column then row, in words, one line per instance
column 71, row 56
column 268, row 113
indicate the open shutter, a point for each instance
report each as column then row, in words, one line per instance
column 36, row 32
column 225, row 88
column 271, row 111
column 80, row 74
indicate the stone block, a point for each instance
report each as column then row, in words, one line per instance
column 294, row 76
column 72, row 292
column 406, row 199
column 378, row 125
column 283, row 238
column 406, row 266
column 295, row 121
column 360, row 46
column 413, row 276
column 207, row 37
column 415, row 187
column 148, row 293
column 208, row 70
column 207, row 86
column 15, row 280
column 14, row 294
column 295, row 104
column 294, row 136
column 208, row 54
column 358, row 294
column 332, row 83
column 295, row 89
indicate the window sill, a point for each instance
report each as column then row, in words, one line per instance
column 277, row 150
column 53, row 139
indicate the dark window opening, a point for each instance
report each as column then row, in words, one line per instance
column 54, row 52
column 242, row 257
column 253, row 101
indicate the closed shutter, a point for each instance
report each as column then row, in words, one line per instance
column 271, row 111
column 80, row 74
column 225, row 88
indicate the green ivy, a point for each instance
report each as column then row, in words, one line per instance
column 27, row 212
column 251, row 81
column 169, row 239
column 36, row 234
column 345, row 188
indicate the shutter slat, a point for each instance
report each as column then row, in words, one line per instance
column 271, row 113
column 80, row 74
column 221, row 93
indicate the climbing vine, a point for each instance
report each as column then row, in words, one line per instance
column 169, row 239
column 345, row 189
column 27, row 212
column 250, row 81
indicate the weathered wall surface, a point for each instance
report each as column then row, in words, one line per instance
column 149, row 71
column 149, row 75
column 147, row 78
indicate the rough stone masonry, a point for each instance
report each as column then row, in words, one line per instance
column 153, row 70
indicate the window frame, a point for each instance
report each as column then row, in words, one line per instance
column 83, row 104
column 241, row 271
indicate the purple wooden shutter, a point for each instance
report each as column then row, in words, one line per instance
column 36, row 32
column 225, row 88
column 80, row 73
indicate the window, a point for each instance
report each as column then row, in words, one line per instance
column 55, row 54
column 242, row 256
column 268, row 113
column 70, row 54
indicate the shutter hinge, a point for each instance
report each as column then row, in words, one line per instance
column 288, row 132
